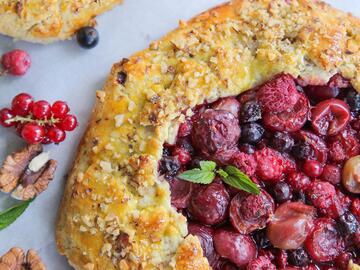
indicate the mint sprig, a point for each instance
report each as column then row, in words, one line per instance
column 230, row 175
column 8, row 216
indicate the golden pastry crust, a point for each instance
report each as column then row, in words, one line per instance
column 49, row 20
column 116, row 212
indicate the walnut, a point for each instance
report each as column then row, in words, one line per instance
column 15, row 259
column 27, row 173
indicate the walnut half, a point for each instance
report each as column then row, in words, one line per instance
column 15, row 259
column 27, row 173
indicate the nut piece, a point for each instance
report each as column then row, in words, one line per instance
column 351, row 175
column 12, row 260
column 33, row 261
column 14, row 166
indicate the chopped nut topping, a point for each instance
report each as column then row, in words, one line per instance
column 33, row 261
column 15, row 259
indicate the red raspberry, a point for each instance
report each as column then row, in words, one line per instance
column 321, row 194
column 182, row 155
column 16, row 62
column 184, row 129
column 244, row 162
column 279, row 94
column 270, row 164
column 332, row 174
column 289, row 164
column 355, row 208
column 298, row 181
column 344, row 145
column 337, row 152
column 261, row 263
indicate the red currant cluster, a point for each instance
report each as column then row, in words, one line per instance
column 38, row 121
column 15, row 62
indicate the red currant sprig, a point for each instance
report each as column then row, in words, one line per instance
column 38, row 122
column 15, row 62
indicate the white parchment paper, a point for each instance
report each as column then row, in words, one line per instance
column 66, row 72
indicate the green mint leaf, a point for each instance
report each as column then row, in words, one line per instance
column 238, row 179
column 222, row 173
column 11, row 214
column 197, row 176
column 207, row 165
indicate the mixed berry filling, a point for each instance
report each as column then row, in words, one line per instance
column 298, row 145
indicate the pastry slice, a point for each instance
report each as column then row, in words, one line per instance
column 164, row 110
column 46, row 21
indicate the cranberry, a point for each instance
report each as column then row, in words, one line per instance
column 348, row 224
column 68, row 123
column 209, row 204
column 343, row 146
column 282, row 141
column 331, row 173
column 215, row 130
column 182, row 155
column 317, row 93
column 298, row 257
column 16, row 62
column 244, row 162
column 169, row 166
column 59, row 109
column 41, row 109
column 329, row 117
column 298, row 181
column 205, row 236
column 312, row 168
column 281, row 192
column 251, row 212
column 238, row 248
column 261, row 263
column 251, row 133
column 21, row 104
column 32, row 133
column 250, row 112
column 290, row 225
column 353, row 100
column 324, row 243
column 56, row 135
column 291, row 120
column 6, row 114
column 320, row 151
column 350, row 175
column 184, row 129
column 229, row 104
column 270, row 164
column 279, row 94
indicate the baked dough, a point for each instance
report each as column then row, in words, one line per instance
column 116, row 212
column 49, row 20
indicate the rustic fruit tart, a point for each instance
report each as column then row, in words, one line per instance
column 299, row 144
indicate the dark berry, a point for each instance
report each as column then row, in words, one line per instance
column 16, row 62
column 169, row 166
column 250, row 112
column 251, row 133
column 21, row 104
column 261, row 239
column 121, row 77
column 184, row 129
column 298, row 257
column 281, row 192
column 87, row 37
column 5, row 115
column 166, row 151
column 282, row 141
column 247, row 148
column 195, row 163
column 353, row 100
column 186, row 145
column 59, row 109
column 348, row 224
column 303, row 151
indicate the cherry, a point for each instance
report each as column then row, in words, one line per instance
column 59, row 109
column 317, row 93
column 330, row 116
column 312, row 168
column 56, row 135
column 6, row 114
column 21, row 104
column 229, row 104
column 181, row 192
column 41, row 109
column 238, row 248
column 16, row 62
column 32, row 133
column 324, row 243
column 290, row 225
column 68, row 123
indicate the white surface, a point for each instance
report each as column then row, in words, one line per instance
column 66, row 72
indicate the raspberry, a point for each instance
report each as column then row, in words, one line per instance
column 244, row 162
column 261, row 263
column 344, row 145
column 16, row 62
column 182, row 155
column 270, row 164
column 331, row 174
column 298, row 181
column 184, row 129
column 279, row 94
column 337, row 152
column 289, row 163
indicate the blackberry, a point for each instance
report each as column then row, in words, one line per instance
column 281, row 192
column 169, row 166
column 251, row 133
column 303, row 151
column 282, row 142
column 298, row 257
column 348, row 224
column 250, row 112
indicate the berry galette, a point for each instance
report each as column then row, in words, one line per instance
column 231, row 143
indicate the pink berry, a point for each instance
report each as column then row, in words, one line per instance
column 312, row 168
column 59, row 109
column 56, row 135
column 21, row 104
column 41, row 109
column 69, row 123
column 16, row 62
column 33, row 133
column 182, row 155
column 6, row 114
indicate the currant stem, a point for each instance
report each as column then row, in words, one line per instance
column 52, row 121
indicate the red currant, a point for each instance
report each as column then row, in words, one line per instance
column 56, row 135
column 60, row 109
column 33, row 133
column 6, row 114
column 312, row 168
column 16, row 62
column 68, row 123
column 21, row 104
column 41, row 109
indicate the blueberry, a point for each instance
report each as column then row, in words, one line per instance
column 247, row 148
column 282, row 142
column 87, row 37
column 251, row 133
column 121, row 77
column 348, row 224
column 353, row 100
column 261, row 239
column 250, row 112
column 303, row 151
column 169, row 166
column 166, row 151
column 298, row 257
column 281, row 192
